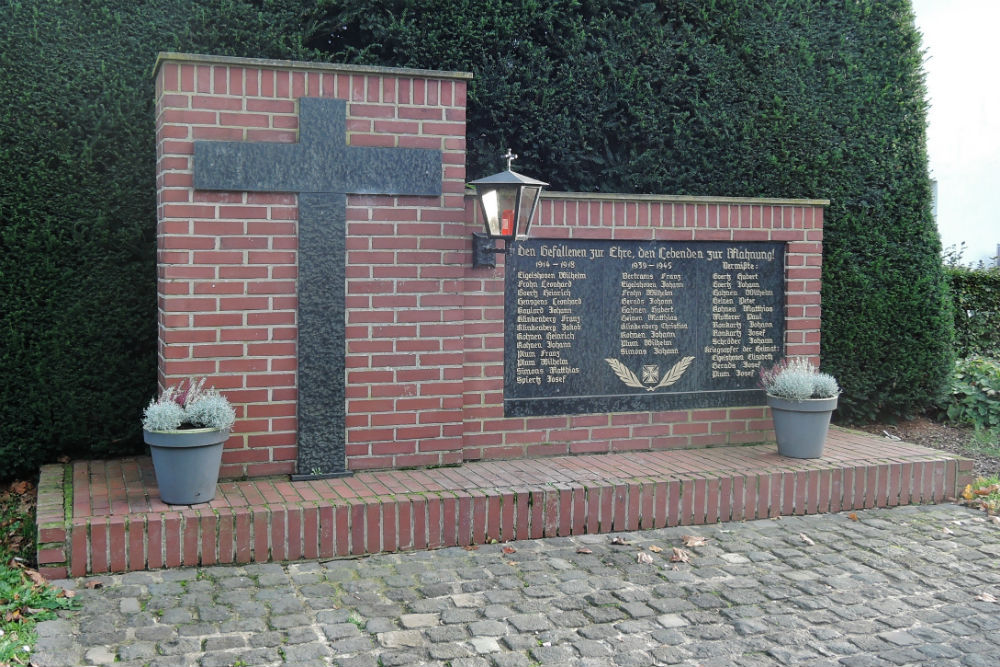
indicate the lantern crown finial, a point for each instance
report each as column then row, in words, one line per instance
column 510, row 157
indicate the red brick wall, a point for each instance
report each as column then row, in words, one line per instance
column 424, row 331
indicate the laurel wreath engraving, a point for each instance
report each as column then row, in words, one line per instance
column 630, row 379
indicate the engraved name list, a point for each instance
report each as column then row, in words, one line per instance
column 593, row 326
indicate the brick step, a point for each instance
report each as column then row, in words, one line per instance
column 115, row 522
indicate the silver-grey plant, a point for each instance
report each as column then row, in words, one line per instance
column 797, row 379
column 195, row 407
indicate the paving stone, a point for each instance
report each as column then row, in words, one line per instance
column 446, row 633
column 598, row 631
column 750, row 626
column 467, row 662
column 340, row 631
column 484, row 644
column 401, row 638
column 510, row 660
column 530, row 622
column 101, row 655
column 552, row 654
column 179, row 646
column 156, row 633
column 451, row 616
column 670, row 655
column 518, row 642
column 419, row 620
column 900, row 638
column 672, row 620
column 351, row 645
column 259, row 656
column 569, row 619
column 588, row 648
column 637, row 609
column 488, row 628
column 449, row 651
column 362, row 660
column 196, row 629
column 633, row 659
column 129, row 606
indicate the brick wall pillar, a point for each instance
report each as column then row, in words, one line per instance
column 228, row 261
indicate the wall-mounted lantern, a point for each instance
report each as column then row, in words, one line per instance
column 507, row 202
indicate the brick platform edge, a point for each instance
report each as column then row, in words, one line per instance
column 105, row 516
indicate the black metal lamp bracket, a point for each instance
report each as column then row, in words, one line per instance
column 484, row 251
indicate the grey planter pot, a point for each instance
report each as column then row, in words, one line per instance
column 186, row 463
column 801, row 426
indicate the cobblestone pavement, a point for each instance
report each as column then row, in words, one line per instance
column 903, row 586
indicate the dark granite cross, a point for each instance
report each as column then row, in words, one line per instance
column 322, row 169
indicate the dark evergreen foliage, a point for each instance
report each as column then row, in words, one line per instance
column 976, row 298
column 793, row 98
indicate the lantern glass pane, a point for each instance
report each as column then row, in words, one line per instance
column 499, row 205
column 529, row 201
column 491, row 215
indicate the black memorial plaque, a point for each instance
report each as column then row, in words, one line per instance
column 621, row 326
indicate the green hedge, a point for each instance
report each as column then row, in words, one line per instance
column 794, row 98
column 78, row 212
column 975, row 294
column 801, row 98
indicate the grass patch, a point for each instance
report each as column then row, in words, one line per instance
column 25, row 596
column 985, row 442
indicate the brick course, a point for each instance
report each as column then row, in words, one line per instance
column 117, row 527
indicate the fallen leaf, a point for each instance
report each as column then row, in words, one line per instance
column 983, row 492
column 694, row 540
column 66, row 594
column 20, row 488
column 584, row 550
column 852, row 516
column 94, row 585
column 805, row 538
column 472, row 547
column 621, row 541
column 36, row 577
column 986, row 597
column 655, row 549
column 643, row 558
column 679, row 556
column 509, row 550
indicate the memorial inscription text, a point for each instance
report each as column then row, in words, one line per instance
column 595, row 326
